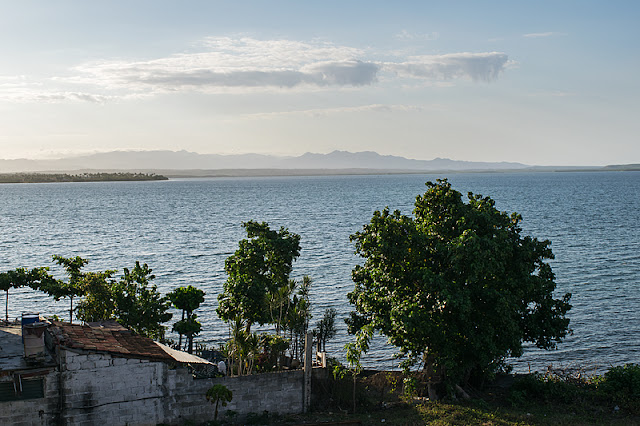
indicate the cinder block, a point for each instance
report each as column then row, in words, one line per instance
column 102, row 363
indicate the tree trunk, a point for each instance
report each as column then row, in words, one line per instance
column 180, row 334
column 6, row 307
column 431, row 373
column 354, row 393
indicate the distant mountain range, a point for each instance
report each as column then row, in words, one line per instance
column 167, row 161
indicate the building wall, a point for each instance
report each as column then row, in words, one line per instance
column 98, row 387
column 39, row 411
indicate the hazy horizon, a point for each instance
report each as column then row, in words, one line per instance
column 542, row 83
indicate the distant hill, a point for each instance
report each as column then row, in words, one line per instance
column 184, row 160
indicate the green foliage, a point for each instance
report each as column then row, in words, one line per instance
column 548, row 388
column 298, row 315
column 132, row 301
column 260, row 267
column 622, row 384
column 188, row 326
column 456, row 286
column 188, row 299
column 138, row 305
column 242, row 349
column 326, row 328
column 98, row 303
column 273, row 347
column 219, row 394
column 35, row 278
column 73, row 287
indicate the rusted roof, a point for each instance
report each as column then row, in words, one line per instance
column 109, row 338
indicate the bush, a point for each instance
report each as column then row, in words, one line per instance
column 622, row 385
column 553, row 387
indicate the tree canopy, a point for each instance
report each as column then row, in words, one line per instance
column 188, row 299
column 456, row 287
column 259, row 267
column 137, row 303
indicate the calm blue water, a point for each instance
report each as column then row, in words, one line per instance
column 184, row 230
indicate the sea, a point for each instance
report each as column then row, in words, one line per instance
column 184, row 229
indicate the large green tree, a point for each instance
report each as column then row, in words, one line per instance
column 456, row 287
column 259, row 267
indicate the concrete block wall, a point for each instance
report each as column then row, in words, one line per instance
column 40, row 411
column 279, row 392
column 96, row 387
column 131, row 391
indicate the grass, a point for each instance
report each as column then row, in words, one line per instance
column 558, row 397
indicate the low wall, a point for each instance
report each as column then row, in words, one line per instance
column 96, row 387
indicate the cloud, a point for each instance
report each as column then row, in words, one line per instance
column 475, row 66
column 541, row 35
column 405, row 35
column 319, row 112
column 244, row 63
column 225, row 64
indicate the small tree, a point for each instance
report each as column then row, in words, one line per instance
column 219, row 394
column 188, row 299
column 298, row 315
column 325, row 329
column 354, row 351
column 73, row 287
column 35, row 278
column 98, row 303
column 259, row 267
column 242, row 349
column 457, row 286
column 138, row 304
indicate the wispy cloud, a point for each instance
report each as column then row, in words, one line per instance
column 475, row 66
column 248, row 65
column 545, row 34
column 319, row 112
column 552, row 93
column 407, row 36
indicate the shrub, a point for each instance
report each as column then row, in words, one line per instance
column 622, row 385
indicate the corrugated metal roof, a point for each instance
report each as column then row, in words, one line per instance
column 183, row 357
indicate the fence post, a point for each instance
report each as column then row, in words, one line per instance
column 306, row 392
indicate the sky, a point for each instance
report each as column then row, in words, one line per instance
column 541, row 83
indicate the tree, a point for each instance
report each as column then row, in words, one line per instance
column 188, row 299
column 259, row 267
column 219, row 394
column 457, row 286
column 98, row 303
column 325, row 329
column 131, row 301
column 138, row 305
column 73, row 287
column 22, row 277
column 298, row 315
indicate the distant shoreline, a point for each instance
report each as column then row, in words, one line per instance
column 80, row 177
column 216, row 173
column 165, row 174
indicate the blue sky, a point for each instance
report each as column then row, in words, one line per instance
column 548, row 83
